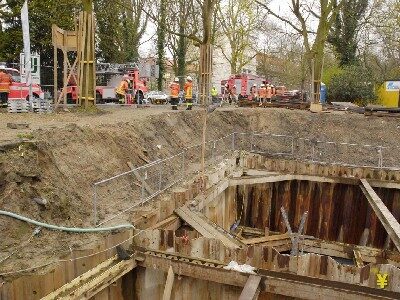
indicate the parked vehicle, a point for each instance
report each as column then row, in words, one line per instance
column 109, row 76
column 157, row 97
column 19, row 90
column 243, row 83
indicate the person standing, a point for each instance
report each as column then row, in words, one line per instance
column 262, row 94
column 122, row 90
column 5, row 82
column 269, row 93
column 189, row 92
column 174, row 92
column 214, row 94
column 253, row 93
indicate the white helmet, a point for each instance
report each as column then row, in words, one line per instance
column 262, row 85
column 254, row 84
column 2, row 67
column 189, row 78
column 176, row 79
column 234, row 86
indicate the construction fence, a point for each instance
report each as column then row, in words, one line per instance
column 138, row 186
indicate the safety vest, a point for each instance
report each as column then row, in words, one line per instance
column 188, row 90
column 5, row 82
column 123, row 88
column 214, row 92
column 262, row 92
column 174, row 87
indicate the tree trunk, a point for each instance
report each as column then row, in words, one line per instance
column 161, row 44
column 181, row 59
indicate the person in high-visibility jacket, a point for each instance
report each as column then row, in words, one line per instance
column 262, row 93
column 174, row 92
column 121, row 90
column 214, row 94
column 189, row 92
column 5, row 82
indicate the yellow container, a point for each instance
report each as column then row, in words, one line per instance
column 388, row 94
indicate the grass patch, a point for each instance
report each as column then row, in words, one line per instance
column 27, row 136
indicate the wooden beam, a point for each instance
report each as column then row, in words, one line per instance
column 250, row 289
column 140, row 179
column 93, row 281
column 286, row 284
column 385, row 216
column 168, row 284
column 358, row 259
column 206, row 228
column 275, row 177
column 266, row 239
column 168, row 221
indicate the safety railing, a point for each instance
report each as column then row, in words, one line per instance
column 115, row 196
column 136, row 187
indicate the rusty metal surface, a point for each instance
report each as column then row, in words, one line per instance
column 336, row 212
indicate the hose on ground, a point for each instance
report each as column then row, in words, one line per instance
column 61, row 228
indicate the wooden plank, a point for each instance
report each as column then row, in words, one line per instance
column 291, row 285
column 84, row 277
column 385, row 216
column 266, row 239
column 276, row 177
column 358, row 259
column 206, row 228
column 168, row 284
column 165, row 222
column 93, row 287
column 95, row 280
column 250, row 289
column 137, row 175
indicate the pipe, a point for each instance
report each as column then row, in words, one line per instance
column 61, row 228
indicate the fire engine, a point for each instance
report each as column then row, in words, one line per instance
column 109, row 77
column 19, row 90
column 243, row 83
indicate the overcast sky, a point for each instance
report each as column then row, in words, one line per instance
column 278, row 6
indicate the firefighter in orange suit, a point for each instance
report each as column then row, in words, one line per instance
column 253, row 93
column 122, row 90
column 270, row 92
column 5, row 82
column 262, row 94
column 174, row 92
column 189, row 93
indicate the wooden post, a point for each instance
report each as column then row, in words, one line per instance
column 65, row 63
column 204, row 87
column 86, row 56
column 55, row 78
column 169, row 284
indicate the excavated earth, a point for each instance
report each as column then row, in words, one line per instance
column 61, row 155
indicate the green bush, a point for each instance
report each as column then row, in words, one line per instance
column 354, row 84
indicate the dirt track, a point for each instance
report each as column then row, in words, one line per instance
column 73, row 150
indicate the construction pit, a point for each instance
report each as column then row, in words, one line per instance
column 282, row 215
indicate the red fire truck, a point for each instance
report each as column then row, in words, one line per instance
column 243, row 83
column 109, row 77
column 19, row 90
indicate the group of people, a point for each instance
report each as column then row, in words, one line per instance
column 188, row 90
column 5, row 83
column 263, row 94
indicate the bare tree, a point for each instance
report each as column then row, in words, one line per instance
column 240, row 21
column 324, row 13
